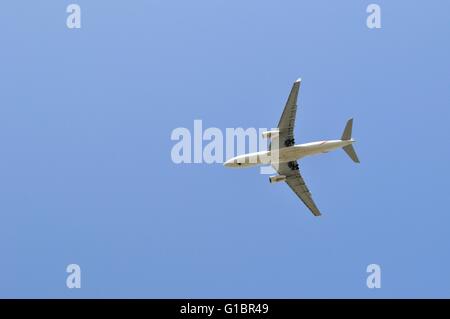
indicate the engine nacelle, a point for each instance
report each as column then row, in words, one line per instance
column 277, row 178
column 270, row 134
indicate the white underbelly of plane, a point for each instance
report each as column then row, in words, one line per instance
column 286, row 154
column 298, row 151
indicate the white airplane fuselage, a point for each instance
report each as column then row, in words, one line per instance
column 286, row 154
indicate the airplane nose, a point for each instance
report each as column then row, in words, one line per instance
column 229, row 163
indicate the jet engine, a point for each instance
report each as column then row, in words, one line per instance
column 277, row 178
column 270, row 134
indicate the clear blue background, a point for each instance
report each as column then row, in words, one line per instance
column 86, row 175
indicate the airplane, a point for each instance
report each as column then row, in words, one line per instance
column 284, row 154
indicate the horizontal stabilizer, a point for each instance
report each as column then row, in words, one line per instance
column 351, row 153
column 347, row 131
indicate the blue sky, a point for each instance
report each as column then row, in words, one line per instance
column 86, row 175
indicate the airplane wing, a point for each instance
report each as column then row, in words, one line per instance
column 297, row 184
column 287, row 120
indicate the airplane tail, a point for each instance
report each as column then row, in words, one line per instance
column 346, row 136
